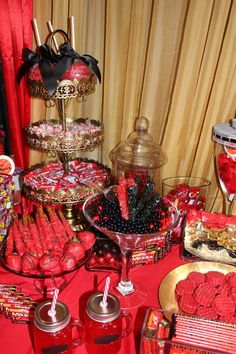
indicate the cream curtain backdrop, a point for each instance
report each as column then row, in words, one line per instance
column 172, row 61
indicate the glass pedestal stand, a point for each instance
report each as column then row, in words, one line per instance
column 130, row 295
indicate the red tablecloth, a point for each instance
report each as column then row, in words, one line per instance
column 16, row 338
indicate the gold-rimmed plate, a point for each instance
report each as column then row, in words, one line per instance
column 166, row 293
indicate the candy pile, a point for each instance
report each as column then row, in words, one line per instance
column 155, row 328
column 227, row 172
column 53, row 178
column 135, row 210
column 46, row 245
column 107, row 255
column 16, row 305
column 55, row 129
column 187, row 197
column 210, row 295
column 7, row 187
column 211, row 236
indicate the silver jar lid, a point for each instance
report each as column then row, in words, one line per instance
column 103, row 313
column 225, row 133
column 48, row 323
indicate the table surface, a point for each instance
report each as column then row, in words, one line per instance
column 16, row 338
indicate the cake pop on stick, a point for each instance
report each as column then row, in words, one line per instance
column 36, row 32
column 72, row 31
column 50, row 28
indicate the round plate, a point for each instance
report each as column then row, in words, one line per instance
column 7, row 165
column 167, row 298
column 41, row 275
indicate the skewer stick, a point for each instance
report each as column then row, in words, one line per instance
column 72, row 31
column 36, row 32
column 50, row 28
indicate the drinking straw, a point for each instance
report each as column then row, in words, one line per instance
column 36, row 32
column 50, row 28
column 72, row 31
column 103, row 303
column 52, row 310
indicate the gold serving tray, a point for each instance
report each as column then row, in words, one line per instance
column 86, row 142
column 167, row 298
column 65, row 89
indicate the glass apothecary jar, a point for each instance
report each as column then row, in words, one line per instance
column 138, row 155
column 224, row 136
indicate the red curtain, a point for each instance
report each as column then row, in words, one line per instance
column 16, row 33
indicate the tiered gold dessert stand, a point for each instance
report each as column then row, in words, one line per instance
column 64, row 147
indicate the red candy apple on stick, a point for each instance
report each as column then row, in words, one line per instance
column 87, row 238
column 67, row 262
column 29, row 262
column 14, row 262
column 75, row 248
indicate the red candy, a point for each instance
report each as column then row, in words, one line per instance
column 187, row 197
column 227, row 172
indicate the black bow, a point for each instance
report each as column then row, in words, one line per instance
column 69, row 55
column 45, row 58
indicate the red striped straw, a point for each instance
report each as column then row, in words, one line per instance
column 52, row 310
column 103, row 303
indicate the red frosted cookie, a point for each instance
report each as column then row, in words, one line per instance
column 223, row 289
column 185, row 286
column 224, row 305
column 232, row 279
column 196, row 277
column 215, row 278
column 204, row 294
column 188, row 304
column 233, row 294
column 228, row 275
column 228, row 319
column 207, row 312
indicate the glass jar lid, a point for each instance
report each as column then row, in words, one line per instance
column 48, row 323
column 139, row 150
column 101, row 313
column 225, row 133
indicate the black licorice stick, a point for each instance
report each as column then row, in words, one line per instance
column 150, row 206
column 144, row 197
column 132, row 200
